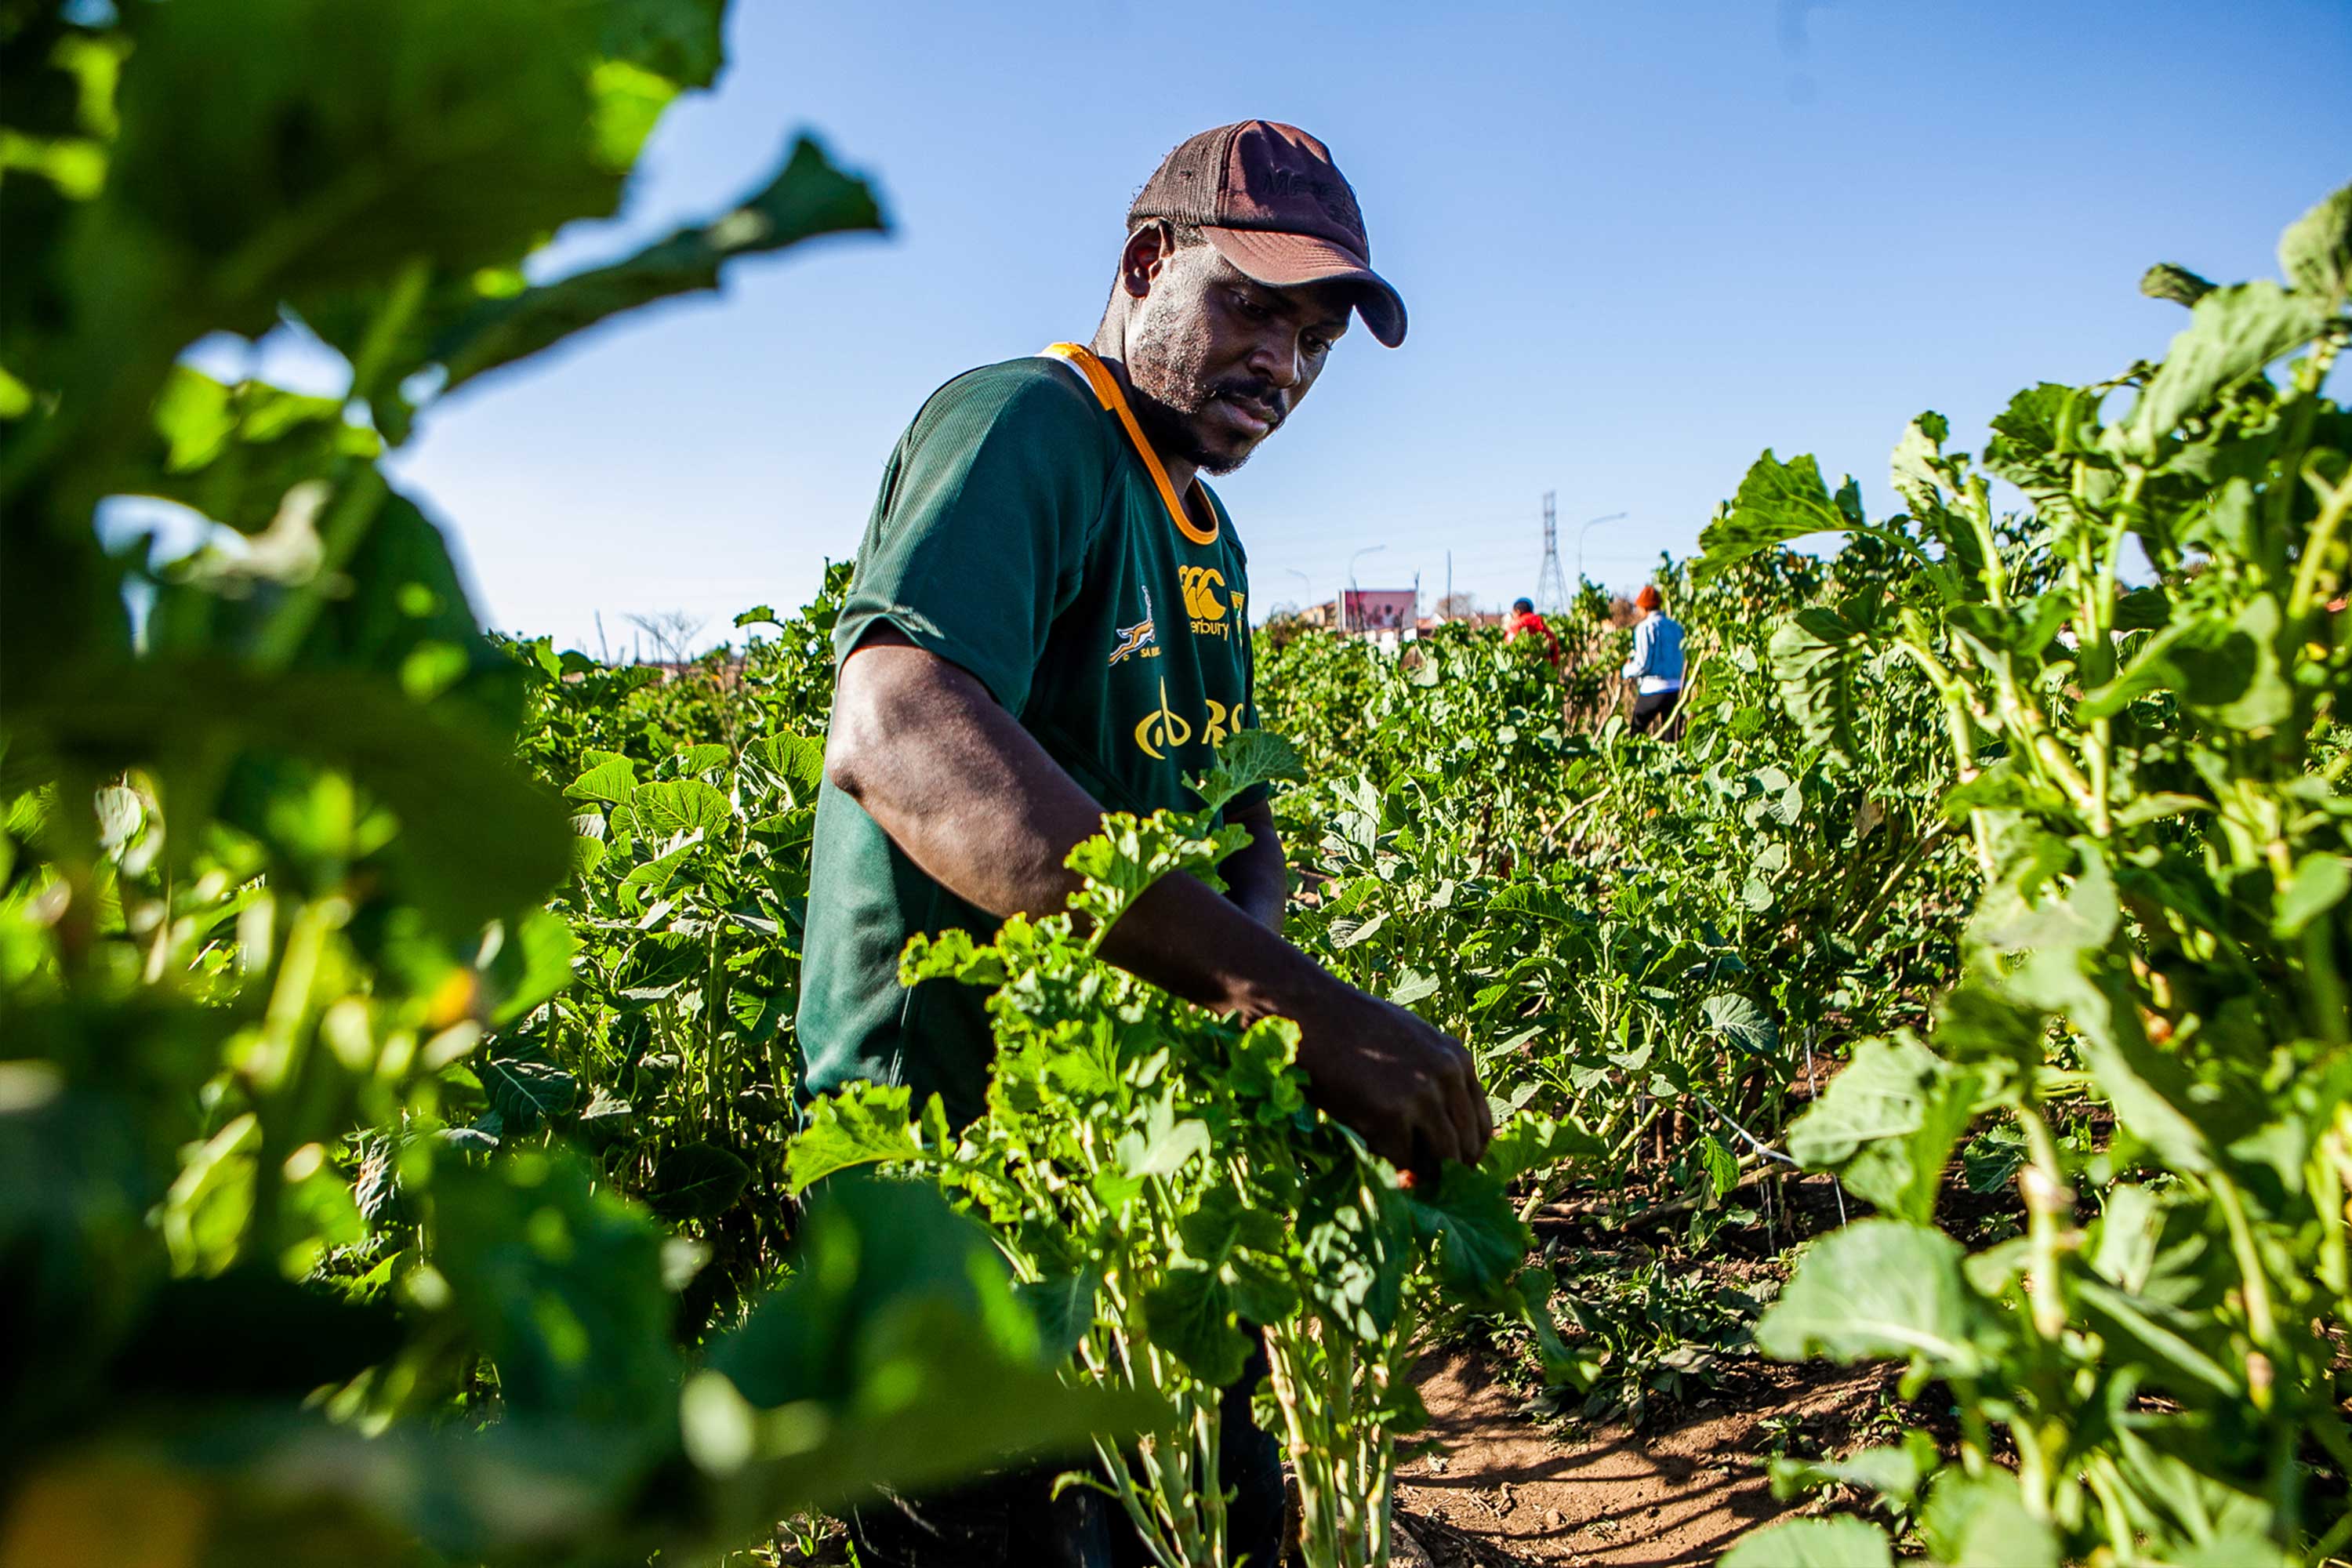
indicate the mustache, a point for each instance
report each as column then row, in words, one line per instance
column 1264, row 398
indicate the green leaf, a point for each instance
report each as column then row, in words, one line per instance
column 1982, row 1521
column 1226, row 1220
column 1246, row 759
column 797, row 760
column 533, row 962
column 477, row 838
column 1813, row 657
column 807, row 197
column 653, row 49
column 1879, row 1288
column 2161, row 1335
column 1890, row 1119
column 1894, row 1471
column 1122, row 863
column 1065, row 1308
column 607, row 781
column 1479, row 1239
column 2232, row 334
column 1164, row 1148
column 2239, row 1548
column 866, row 1124
column 1412, row 986
column 2178, row 284
column 2315, row 251
column 1813, row 1543
column 1777, row 503
column 2318, row 884
column 898, row 1355
column 1917, row 468
column 2237, row 671
column 1742, row 1022
column 232, row 452
column 1722, row 1166
column 1357, row 1238
column 445, row 132
column 526, row 1092
column 661, row 810
column 2034, row 432
column 1191, row 1314
column 1527, row 1142
column 605, row 1120
column 760, row 615
column 560, row 1282
column 679, row 40
column 696, row 1181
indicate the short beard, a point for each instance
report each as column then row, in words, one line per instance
column 1169, row 371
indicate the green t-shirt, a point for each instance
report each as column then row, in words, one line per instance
column 1019, row 535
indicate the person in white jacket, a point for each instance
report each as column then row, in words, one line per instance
column 1656, row 668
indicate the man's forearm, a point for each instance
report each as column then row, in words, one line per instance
column 1258, row 879
column 971, row 798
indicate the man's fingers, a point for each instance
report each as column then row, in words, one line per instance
column 1462, row 1109
column 1448, row 1123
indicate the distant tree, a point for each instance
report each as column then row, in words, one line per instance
column 1458, row 607
column 672, row 633
column 1281, row 623
column 1592, row 602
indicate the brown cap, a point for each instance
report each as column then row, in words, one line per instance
column 1272, row 203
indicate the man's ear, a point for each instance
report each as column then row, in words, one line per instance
column 1147, row 250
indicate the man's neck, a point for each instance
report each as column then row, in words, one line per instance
column 1110, row 347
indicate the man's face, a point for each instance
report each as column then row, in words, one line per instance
column 1218, row 361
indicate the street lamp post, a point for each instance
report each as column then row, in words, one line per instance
column 1612, row 517
column 1335, row 604
column 1367, row 550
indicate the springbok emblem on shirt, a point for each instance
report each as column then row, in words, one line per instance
column 1138, row 635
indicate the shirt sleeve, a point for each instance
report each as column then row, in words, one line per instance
column 978, row 543
column 1640, row 663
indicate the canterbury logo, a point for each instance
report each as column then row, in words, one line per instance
column 1199, row 585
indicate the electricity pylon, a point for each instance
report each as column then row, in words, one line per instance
column 1551, row 584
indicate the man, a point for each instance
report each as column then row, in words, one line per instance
column 1523, row 621
column 1048, row 621
column 1656, row 667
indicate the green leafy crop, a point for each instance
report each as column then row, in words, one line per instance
column 295, row 1271
column 1157, row 1175
column 2150, row 781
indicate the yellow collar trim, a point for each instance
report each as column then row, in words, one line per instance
column 1108, row 393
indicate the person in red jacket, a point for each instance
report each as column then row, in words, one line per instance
column 1523, row 621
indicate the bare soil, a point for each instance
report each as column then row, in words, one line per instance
column 1508, row 1491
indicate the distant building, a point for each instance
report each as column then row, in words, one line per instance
column 1378, row 609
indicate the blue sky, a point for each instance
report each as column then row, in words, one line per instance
column 1639, row 244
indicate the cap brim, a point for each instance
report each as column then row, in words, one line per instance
column 1288, row 261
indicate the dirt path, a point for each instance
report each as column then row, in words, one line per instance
column 1510, row 1492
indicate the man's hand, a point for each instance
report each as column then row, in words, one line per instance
column 1408, row 1088
column 973, row 799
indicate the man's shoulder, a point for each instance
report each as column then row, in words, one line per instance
column 1031, row 393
